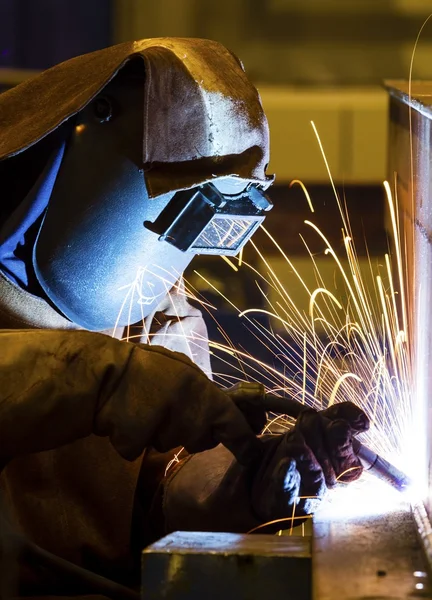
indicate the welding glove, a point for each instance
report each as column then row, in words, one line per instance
column 59, row 386
column 299, row 466
column 211, row 491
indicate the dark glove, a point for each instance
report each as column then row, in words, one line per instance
column 59, row 386
column 299, row 466
column 210, row 491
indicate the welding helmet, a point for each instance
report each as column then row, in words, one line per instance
column 164, row 159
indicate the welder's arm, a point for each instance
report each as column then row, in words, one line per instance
column 59, row 386
column 211, row 491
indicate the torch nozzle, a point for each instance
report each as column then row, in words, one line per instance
column 381, row 468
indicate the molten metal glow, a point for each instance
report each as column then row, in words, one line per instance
column 364, row 498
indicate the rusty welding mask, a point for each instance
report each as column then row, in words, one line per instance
column 107, row 253
column 164, row 157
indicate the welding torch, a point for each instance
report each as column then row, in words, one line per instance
column 371, row 461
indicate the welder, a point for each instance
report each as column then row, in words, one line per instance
column 118, row 167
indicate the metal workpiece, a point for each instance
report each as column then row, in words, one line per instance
column 424, row 530
column 410, row 155
column 214, row 566
column 378, row 558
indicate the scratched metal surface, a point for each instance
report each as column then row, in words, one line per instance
column 377, row 558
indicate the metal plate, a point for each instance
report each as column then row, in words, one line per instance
column 215, row 566
column 378, row 558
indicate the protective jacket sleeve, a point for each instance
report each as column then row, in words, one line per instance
column 53, row 385
column 63, row 386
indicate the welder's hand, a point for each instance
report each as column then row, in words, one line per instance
column 297, row 467
column 329, row 434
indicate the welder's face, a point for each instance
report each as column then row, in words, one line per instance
column 94, row 257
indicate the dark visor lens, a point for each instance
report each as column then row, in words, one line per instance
column 225, row 234
column 204, row 221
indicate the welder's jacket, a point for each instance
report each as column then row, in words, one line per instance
column 82, row 500
column 77, row 501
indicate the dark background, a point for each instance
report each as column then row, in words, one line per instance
column 36, row 34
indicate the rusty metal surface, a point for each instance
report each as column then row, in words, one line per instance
column 378, row 558
column 228, row 566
